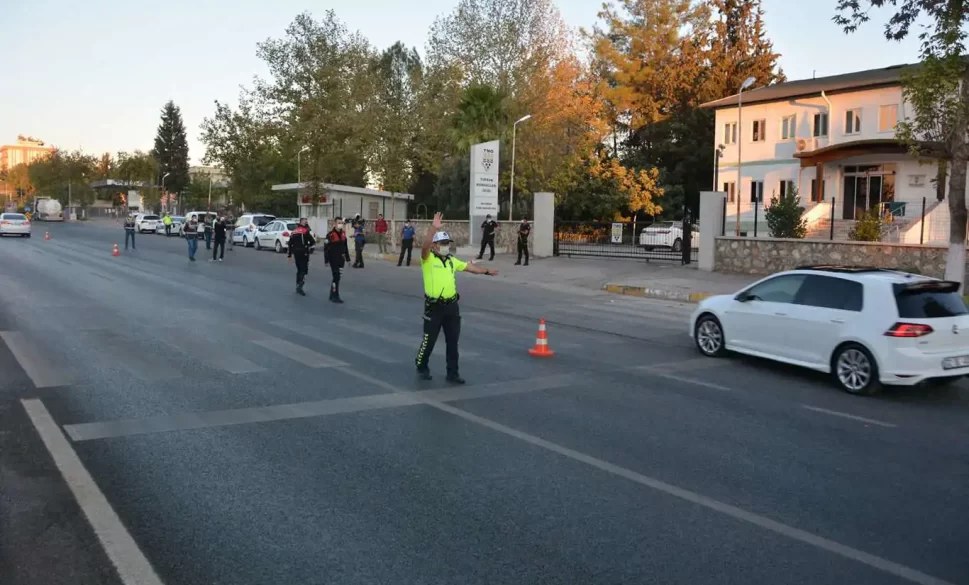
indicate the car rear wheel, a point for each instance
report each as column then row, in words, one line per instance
column 279, row 247
column 708, row 335
column 855, row 371
column 245, row 242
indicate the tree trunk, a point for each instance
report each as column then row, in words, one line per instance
column 955, row 262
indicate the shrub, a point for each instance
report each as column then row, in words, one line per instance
column 784, row 216
column 868, row 228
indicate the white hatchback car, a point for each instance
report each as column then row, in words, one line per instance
column 864, row 326
column 14, row 224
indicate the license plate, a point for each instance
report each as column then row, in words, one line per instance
column 955, row 362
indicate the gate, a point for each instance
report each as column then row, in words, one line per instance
column 663, row 241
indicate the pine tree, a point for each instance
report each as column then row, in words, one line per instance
column 171, row 149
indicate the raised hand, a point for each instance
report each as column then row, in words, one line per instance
column 438, row 220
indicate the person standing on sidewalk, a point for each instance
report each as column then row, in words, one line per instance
column 129, row 231
column 380, row 227
column 359, row 241
column 441, row 299
column 336, row 253
column 524, row 229
column 191, row 232
column 299, row 246
column 488, row 237
column 219, row 229
column 406, row 242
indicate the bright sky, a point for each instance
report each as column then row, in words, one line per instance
column 94, row 74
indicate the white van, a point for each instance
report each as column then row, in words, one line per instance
column 200, row 217
column 244, row 231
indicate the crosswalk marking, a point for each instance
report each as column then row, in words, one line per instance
column 125, row 354
column 298, row 353
column 41, row 368
column 314, row 333
column 211, row 353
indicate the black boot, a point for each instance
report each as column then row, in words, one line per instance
column 424, row 374
column 299, row 289
column 455, row 379
column 335, row 295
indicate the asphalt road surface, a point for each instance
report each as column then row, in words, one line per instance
column 198, row 423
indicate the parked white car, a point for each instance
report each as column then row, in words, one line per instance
column 14, row 224
column 275, row 235
column 146, row 223
column 200, row 217
column 667, row 234
column 244, row 231
column 865, row 326
column 177, row 221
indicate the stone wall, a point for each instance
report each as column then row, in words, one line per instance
column 505, row 238
column 768, row 255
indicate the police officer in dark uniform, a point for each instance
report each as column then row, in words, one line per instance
column 336, row 253
column 488, row 237
column 524, row 229
column 441, row 299
column 299, row 246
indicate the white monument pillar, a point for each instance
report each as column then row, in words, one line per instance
column 484, row 186
column 711, row 226
column 543, row 227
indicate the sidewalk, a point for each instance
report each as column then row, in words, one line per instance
column 655, row 279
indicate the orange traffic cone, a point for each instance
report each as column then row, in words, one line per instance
column 541, row 348
column 46, row 235
column 116, row 251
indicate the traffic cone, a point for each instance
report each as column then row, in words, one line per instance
column 46, row 235
column 116, row 251
column 541, row 348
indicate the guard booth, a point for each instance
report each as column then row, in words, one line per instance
column 344, row 201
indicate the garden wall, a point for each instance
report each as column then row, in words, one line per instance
column 769, row 255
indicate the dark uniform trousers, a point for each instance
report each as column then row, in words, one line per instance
column 302, row 266
column 522, row 248
column 408, row 247
column 336, row 271
column 487, row 241
column 441, row 314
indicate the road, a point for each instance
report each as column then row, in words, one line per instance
column 201, row 424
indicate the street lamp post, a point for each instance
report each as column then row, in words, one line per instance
column 299, row 170
column 163, row 185
column 511, row 193
column 740, row 141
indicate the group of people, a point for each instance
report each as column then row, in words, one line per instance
column 215, row 231
column 488, row 231
column 336, row 254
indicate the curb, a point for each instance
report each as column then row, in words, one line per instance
column 656, row 293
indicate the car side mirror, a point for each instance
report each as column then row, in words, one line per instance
column 744, row 297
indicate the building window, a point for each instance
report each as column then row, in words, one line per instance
column 787, row 187
column 887, row 118
column 852, row 121
column 730, row 190
column 730, row 133
column 817, row 197
column 787, row 127
column 756, row 191
column 759, row 131
column 821, row 124
column 375, row 209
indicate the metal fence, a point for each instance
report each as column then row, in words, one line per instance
column 669, row 241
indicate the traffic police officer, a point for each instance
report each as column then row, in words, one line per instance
column 441, row 299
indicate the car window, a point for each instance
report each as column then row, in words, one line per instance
column 263, row 219
column 151, row 217
column 928, row 301
column 780, row 289
column 830, row 292
column 13, row 216
column 291, row 225
column 178, row 218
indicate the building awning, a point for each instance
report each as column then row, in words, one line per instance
column 343, row 189
column 843, row 150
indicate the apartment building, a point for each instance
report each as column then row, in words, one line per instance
column 831, row 138
column 24, row 151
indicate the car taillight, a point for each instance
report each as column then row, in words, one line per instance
column 908, row 330
column 27, row 222
column 4, row 222
column 285, row 234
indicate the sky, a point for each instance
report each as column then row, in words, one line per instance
column 94, row 75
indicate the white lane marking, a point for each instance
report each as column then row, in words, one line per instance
column 259, row 414
column 734, row 512
column 132, row 565
column 298, row 353
column 386, row 334
column 662, row 372
column 870, row 421
column 687, row 364
column 41, row 368
column 326, row 337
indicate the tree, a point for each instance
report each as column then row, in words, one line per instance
column 500, row 43
column 400, row 74
column 65, row 176
column 171, row 149
column 139, row 169
column 18, row 177
column 939, row 91
column 785, row 216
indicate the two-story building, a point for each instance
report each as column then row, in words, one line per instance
column 831, row 138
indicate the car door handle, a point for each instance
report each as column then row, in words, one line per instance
column 837, row 320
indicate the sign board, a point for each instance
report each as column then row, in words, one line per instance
column 617, row 233
column 484, row 178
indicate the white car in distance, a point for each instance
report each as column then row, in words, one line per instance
column 867, row 327
column 275, row 235
column 667, row 234
column 14, row 224
column 146, row 223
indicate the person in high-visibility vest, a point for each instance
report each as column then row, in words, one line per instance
column 167, row 220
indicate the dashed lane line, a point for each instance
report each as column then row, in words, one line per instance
column 846, row 415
